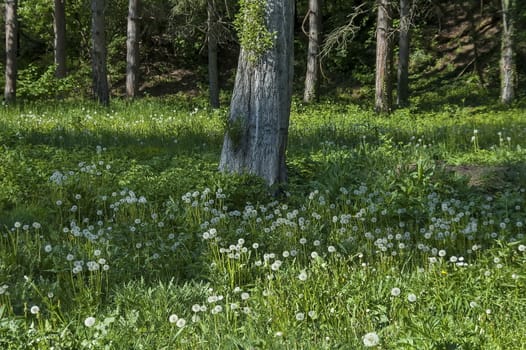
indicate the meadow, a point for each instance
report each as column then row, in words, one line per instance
column 402, row 232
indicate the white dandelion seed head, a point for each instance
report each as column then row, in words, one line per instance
column 371, row 339
column 300, row 316
column 217, row 309
column 89, row 321
column 411, row 297
column 180, row 323
column 34, row 309
column 173, row 318
column 303, row 275
column 395, row 291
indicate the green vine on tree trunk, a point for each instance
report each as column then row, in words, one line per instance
column 254, row 36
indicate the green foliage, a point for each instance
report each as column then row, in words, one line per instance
column 253, row 33
column 118, row 232
column 33, row 83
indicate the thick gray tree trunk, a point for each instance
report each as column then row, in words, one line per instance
column 213, row 73
column 313, row 59
column 59, row 27
column 257, row 130
column 507, row 60
column 383, row 89
column 11, row 39
column 403, row 55
column 98, row 53
column 132, row 49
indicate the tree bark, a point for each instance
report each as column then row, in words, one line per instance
column 59, row 27
column 313, row 60
column 257, row 128
column 508, row 76
column 403, row 55
column 213, row 74
column 383, row 89
column 98, row 54
column 11, row 40
column 132, row 49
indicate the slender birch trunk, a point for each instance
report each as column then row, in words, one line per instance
column 383, row 89
column 11, row 39
column 132, row 49
column 508, row 75
column 213, row 73
column 59, row 28
column 313, row 59
column 98, row 54
column 403, row 55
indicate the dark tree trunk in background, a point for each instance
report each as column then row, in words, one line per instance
column 132, row 49
column 383, row 89
column 11, row 41
column 257, row 131
column 213, row 74
column 59, row 27
column 98, row 53
column 403, row 55
column 507, row 60
column 313, row 60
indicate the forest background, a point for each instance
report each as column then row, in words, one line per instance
column 449, row 40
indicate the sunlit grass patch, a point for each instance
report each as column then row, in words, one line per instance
column 117, row 231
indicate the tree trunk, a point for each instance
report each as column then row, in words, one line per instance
column 403, row 55
column 59, row 27
column 132, row 49
column 383, row 90
column 11, row 40
column 213, row 75
column 98, row 54
column 507, row 60
column 257, row 130
column 313, row 60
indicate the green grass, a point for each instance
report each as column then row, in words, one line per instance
column 119, row 218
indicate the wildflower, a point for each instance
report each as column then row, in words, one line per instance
column 34, row 309
column 217, row 309
column 196, row 308
column 395, row 291
column 89, row 321
column 173, row 318
column 276, row 265
column 331, row 249
column 411, row 297
column 300, row 316
column 48, row 248
column 371, row 339
column 180, row 323
column 245, row 296
column 302, row 276
column 312, row 314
